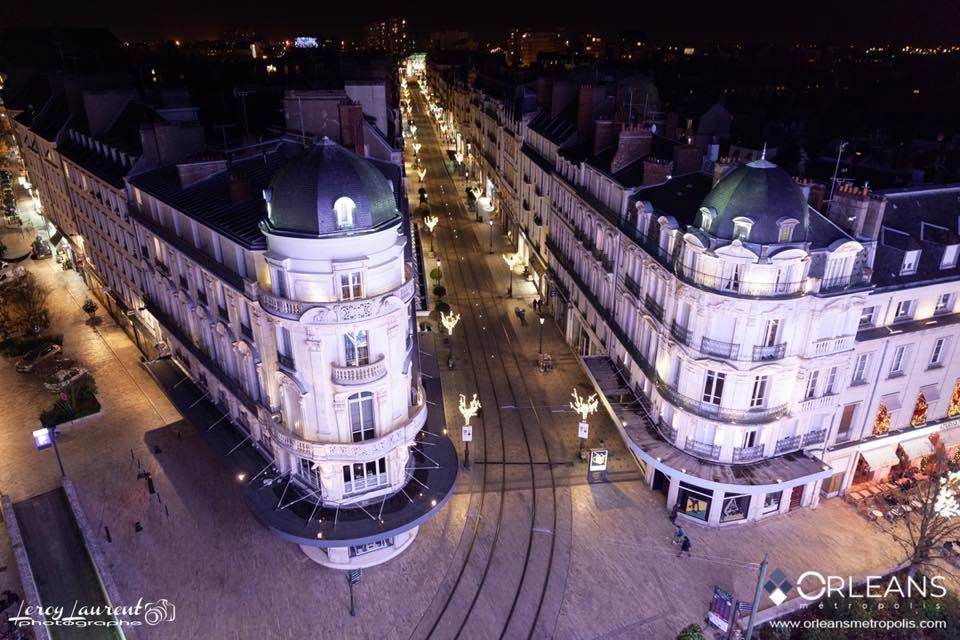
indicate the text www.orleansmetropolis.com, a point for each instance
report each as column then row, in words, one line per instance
column 859, row 625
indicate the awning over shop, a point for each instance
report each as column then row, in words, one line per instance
column 880, row 458
column 917, row 448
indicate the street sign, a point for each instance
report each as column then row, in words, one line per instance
column 353, row 576
column 42, row 438
column 584, row 430
column 598, row 460
column 467, row 433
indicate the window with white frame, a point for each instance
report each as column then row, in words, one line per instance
column 360, row 408
column 812, row 381
column 860, row 369
column 904, row 311
column 897, row 364
column 344, row 208
column 866, row 317
column 785, row 229
column 732, row 276
column 356, row 349
column 910, row 260
column 936, row 356
column 831, row 387
column 759, row 396
column 713, row 387
column 361, row 477
column 706, row 218
column 944, row 303
column 741, row 228
column 950, row 253
column 309, row 472
column 351, row 286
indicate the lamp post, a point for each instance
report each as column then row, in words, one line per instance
column 490, row 222
column 449, row 321
column 542, row 320
column 46, row 437
column 422, row 172
column 584, row 407
column 512, row 261
column 467, row 411
column 431, row 222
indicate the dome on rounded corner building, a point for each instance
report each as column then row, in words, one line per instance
column 328, row 190
column 763, row 194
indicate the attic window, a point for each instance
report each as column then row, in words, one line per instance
column 910, row 260
column 706, row 218
column 741, row 228
column 785, row 228
column 950, row 256
column 344, row 208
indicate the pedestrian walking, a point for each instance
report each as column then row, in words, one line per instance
column 685, row 547
column 679, row 535
column 674, row 512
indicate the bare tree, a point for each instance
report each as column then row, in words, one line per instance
column 23, row 306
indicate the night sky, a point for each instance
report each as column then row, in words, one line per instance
column 834, row 21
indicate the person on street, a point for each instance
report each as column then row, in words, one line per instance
column 685, row 547
column 679, row 535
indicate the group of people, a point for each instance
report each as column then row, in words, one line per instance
column 680, row 538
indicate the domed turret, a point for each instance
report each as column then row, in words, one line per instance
column 758, row 203
column 328, row 190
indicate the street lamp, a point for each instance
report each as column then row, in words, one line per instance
column 431, row 222
column 416, row 147
column 46, row 437
column 584, row 407
column 490, row 222
column 422, row 172
column 542, row 320
column 512, row 261
column 449, row 321
column 467, row 411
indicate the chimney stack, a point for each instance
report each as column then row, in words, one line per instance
column 585, row 113
column 604, row 135
column 351, row 127
column 635, row 142
column 687, row 158
column 544, row 93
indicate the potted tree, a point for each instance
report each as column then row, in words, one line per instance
column 90, row 308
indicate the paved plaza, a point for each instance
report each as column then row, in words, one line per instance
column 614, row 573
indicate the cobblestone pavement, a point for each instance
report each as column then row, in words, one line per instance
column 614, row 572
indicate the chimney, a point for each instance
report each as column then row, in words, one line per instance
column 656, row 171
column 721, row 167
column 634, row 143
column 351, row 127
column 604, row 135
column 585, row 113
column 239, row 187
column 544, row 93
column 686, row 159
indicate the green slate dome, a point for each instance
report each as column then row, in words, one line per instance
column 328, row 190
column 761, row 192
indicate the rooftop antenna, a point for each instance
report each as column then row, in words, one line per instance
column 836, row 175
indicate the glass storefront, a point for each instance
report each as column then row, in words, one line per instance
column 694, row 501
column 771, row 502
column 735, row 507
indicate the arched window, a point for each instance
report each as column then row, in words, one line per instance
column 741, row 228
column 344, row 208
column 706, row 219
column 361, row 416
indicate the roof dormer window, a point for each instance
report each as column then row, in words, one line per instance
column 785, row 227
column 706, row 219
column 344, row 208
column 910, row 261
column 741, row 228
column 950, row 253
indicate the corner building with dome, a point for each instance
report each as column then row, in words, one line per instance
column 281, row 284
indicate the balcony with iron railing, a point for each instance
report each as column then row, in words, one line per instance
column 669, row 433
column 762, row 353
column 632, row 286
column 814, row 437
column 719, row 348
column 714, row 411
column 702, row 449
column 743, row 285
column 359, row 374
column 785, row 445
column 845, row 283
column 654, row 307
column 747, row 454
column 681, row 334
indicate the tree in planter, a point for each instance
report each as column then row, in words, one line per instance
column 23, row 306
column 76, row 401
column 439, row 291
column 691, row 632
column 442, row 307
column 90, row 308
column 436, row 274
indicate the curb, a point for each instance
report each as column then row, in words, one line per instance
column 27, row 581
column 107, row 583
